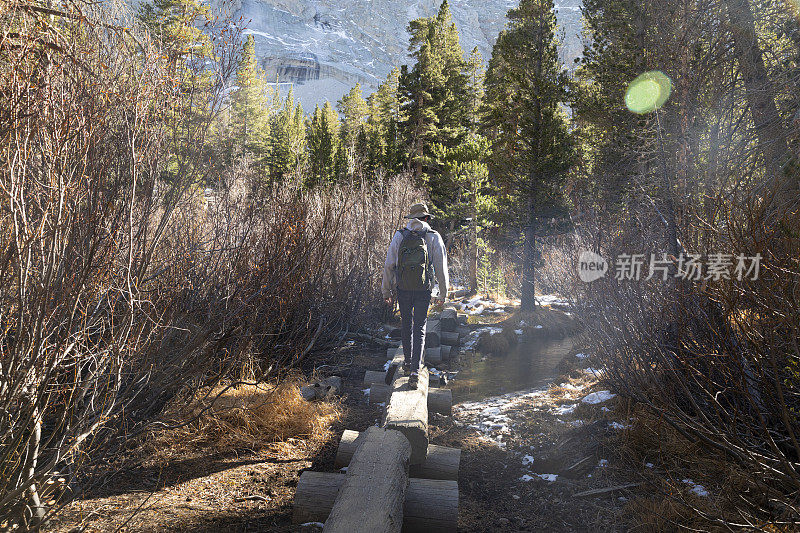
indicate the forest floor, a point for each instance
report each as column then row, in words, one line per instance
column 530, row 458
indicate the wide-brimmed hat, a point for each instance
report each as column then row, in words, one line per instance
column 418, row 211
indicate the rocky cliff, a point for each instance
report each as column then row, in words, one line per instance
column 323, row 47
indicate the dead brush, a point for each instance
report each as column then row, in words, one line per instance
column 674, row 459
column 249, row 416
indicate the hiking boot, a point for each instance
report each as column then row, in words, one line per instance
column 413, row 380
column 406, row 368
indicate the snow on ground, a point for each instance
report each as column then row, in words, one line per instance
column 582, row 355
column 598, row 397
column 697, row 489
column 472, row 337
column 490, row 416
column 617, row 425
column 564, row 409
column 552, row 299
column 479, row 305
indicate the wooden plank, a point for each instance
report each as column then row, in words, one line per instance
column 431, row 505
column 441, row 462
column 407, row 412
column 374, row 489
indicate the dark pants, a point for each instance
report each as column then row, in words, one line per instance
column 414, row 314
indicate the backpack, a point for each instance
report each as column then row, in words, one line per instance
column 413, row 262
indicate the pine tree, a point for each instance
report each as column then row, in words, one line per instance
column 250, row 106
column 437, row 104
column 353, row 109
column 434, row 91
column 532, row 147
column 177, row 26
column 287, row 138
column 323, row 145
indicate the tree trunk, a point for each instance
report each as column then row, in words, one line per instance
column 528, row 299
column 760, row 93
column 473, row 252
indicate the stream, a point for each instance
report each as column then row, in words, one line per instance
column 531, row 364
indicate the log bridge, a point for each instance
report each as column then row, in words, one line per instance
column 395, row 479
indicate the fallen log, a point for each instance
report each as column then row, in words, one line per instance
column 449, row 320
column 374, row 489
column 441, row 463
column 431, row 505
column 439, row 400
column 604, row 491
column 407, row 412
column 372, row 377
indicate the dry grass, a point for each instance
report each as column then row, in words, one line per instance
column 675, row 458
column 248, row 417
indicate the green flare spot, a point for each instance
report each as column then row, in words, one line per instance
column 648, row 92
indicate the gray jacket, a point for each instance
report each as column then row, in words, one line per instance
column 435, row 250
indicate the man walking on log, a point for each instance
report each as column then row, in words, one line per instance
column 415, row 254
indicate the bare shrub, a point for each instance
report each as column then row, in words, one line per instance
column 714, row 359
column 121, row 289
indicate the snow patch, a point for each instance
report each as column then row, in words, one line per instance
column 696, row 488
column 565, row 409
column 598, row 397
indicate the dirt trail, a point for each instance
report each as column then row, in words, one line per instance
column 529, row 444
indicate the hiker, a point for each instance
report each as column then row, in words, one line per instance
column 415, row 254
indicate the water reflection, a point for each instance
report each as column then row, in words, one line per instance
column 528, row 365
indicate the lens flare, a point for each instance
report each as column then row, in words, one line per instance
column 648, row 92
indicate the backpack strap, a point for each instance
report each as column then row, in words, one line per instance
column 405, row 232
